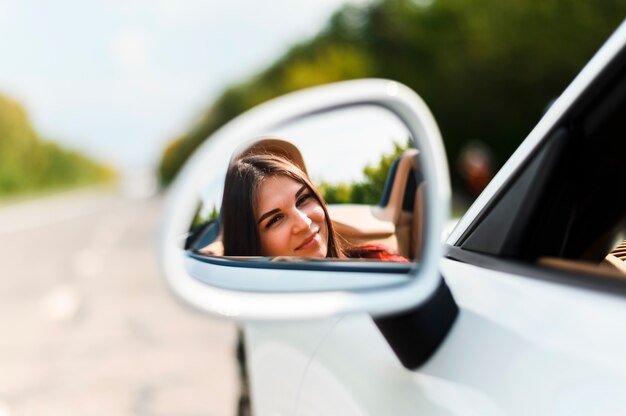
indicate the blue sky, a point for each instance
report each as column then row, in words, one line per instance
column 118, row 79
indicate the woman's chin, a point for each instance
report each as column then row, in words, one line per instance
column 316, row 254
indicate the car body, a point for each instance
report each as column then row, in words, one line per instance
column 536, row 277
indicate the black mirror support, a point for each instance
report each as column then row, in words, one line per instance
column 416, row 334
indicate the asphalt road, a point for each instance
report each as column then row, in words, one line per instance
column 87, row 327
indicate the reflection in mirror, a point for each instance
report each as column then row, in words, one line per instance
column 339, row 185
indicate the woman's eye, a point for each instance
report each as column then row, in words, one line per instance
column 273, row 221
column 302, row 199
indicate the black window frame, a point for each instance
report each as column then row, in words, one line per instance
column 501, row 234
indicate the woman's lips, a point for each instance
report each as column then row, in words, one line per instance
column 309, row 242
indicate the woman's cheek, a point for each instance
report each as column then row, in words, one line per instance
column 317, row 213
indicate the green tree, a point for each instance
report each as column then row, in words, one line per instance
column 29, row 164
column 486, row 68
column 370, row 189
column 19, row 150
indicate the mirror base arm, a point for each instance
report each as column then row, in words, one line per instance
column 415, row 335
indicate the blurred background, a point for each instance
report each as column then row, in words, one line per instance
column 101, row 103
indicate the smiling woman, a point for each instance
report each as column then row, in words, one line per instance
column 297, row 226
column 360, row 195
column 271, row 208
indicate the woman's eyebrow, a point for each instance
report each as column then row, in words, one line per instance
column 302, row 189
column 267, row 214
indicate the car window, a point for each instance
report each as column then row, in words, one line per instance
column 565, row 207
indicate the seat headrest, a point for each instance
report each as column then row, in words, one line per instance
column 272, row 145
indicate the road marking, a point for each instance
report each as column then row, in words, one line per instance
column 4, row 409
column 61, row 304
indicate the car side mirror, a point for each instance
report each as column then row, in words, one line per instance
column 341, row 130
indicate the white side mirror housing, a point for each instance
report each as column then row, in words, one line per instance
column 267, row 291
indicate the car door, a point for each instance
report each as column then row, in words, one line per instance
column 532, row 268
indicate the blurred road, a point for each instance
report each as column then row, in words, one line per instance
column 87, row 327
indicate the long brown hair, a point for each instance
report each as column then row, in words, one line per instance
column 243, row 179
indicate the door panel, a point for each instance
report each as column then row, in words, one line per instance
column 520, row 346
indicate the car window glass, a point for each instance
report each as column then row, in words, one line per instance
column 565, row 208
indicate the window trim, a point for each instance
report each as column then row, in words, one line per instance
column 599, row 283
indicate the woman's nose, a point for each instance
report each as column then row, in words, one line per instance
column 302, row 222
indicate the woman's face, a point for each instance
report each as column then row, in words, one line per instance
column 290, row 220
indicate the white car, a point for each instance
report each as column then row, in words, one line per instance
column 520, row 312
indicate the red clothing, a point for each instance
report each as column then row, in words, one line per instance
column 376, row 252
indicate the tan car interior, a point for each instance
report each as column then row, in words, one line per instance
column 398, row 223
column 611, row 266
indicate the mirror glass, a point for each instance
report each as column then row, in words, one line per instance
column 361, row 160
